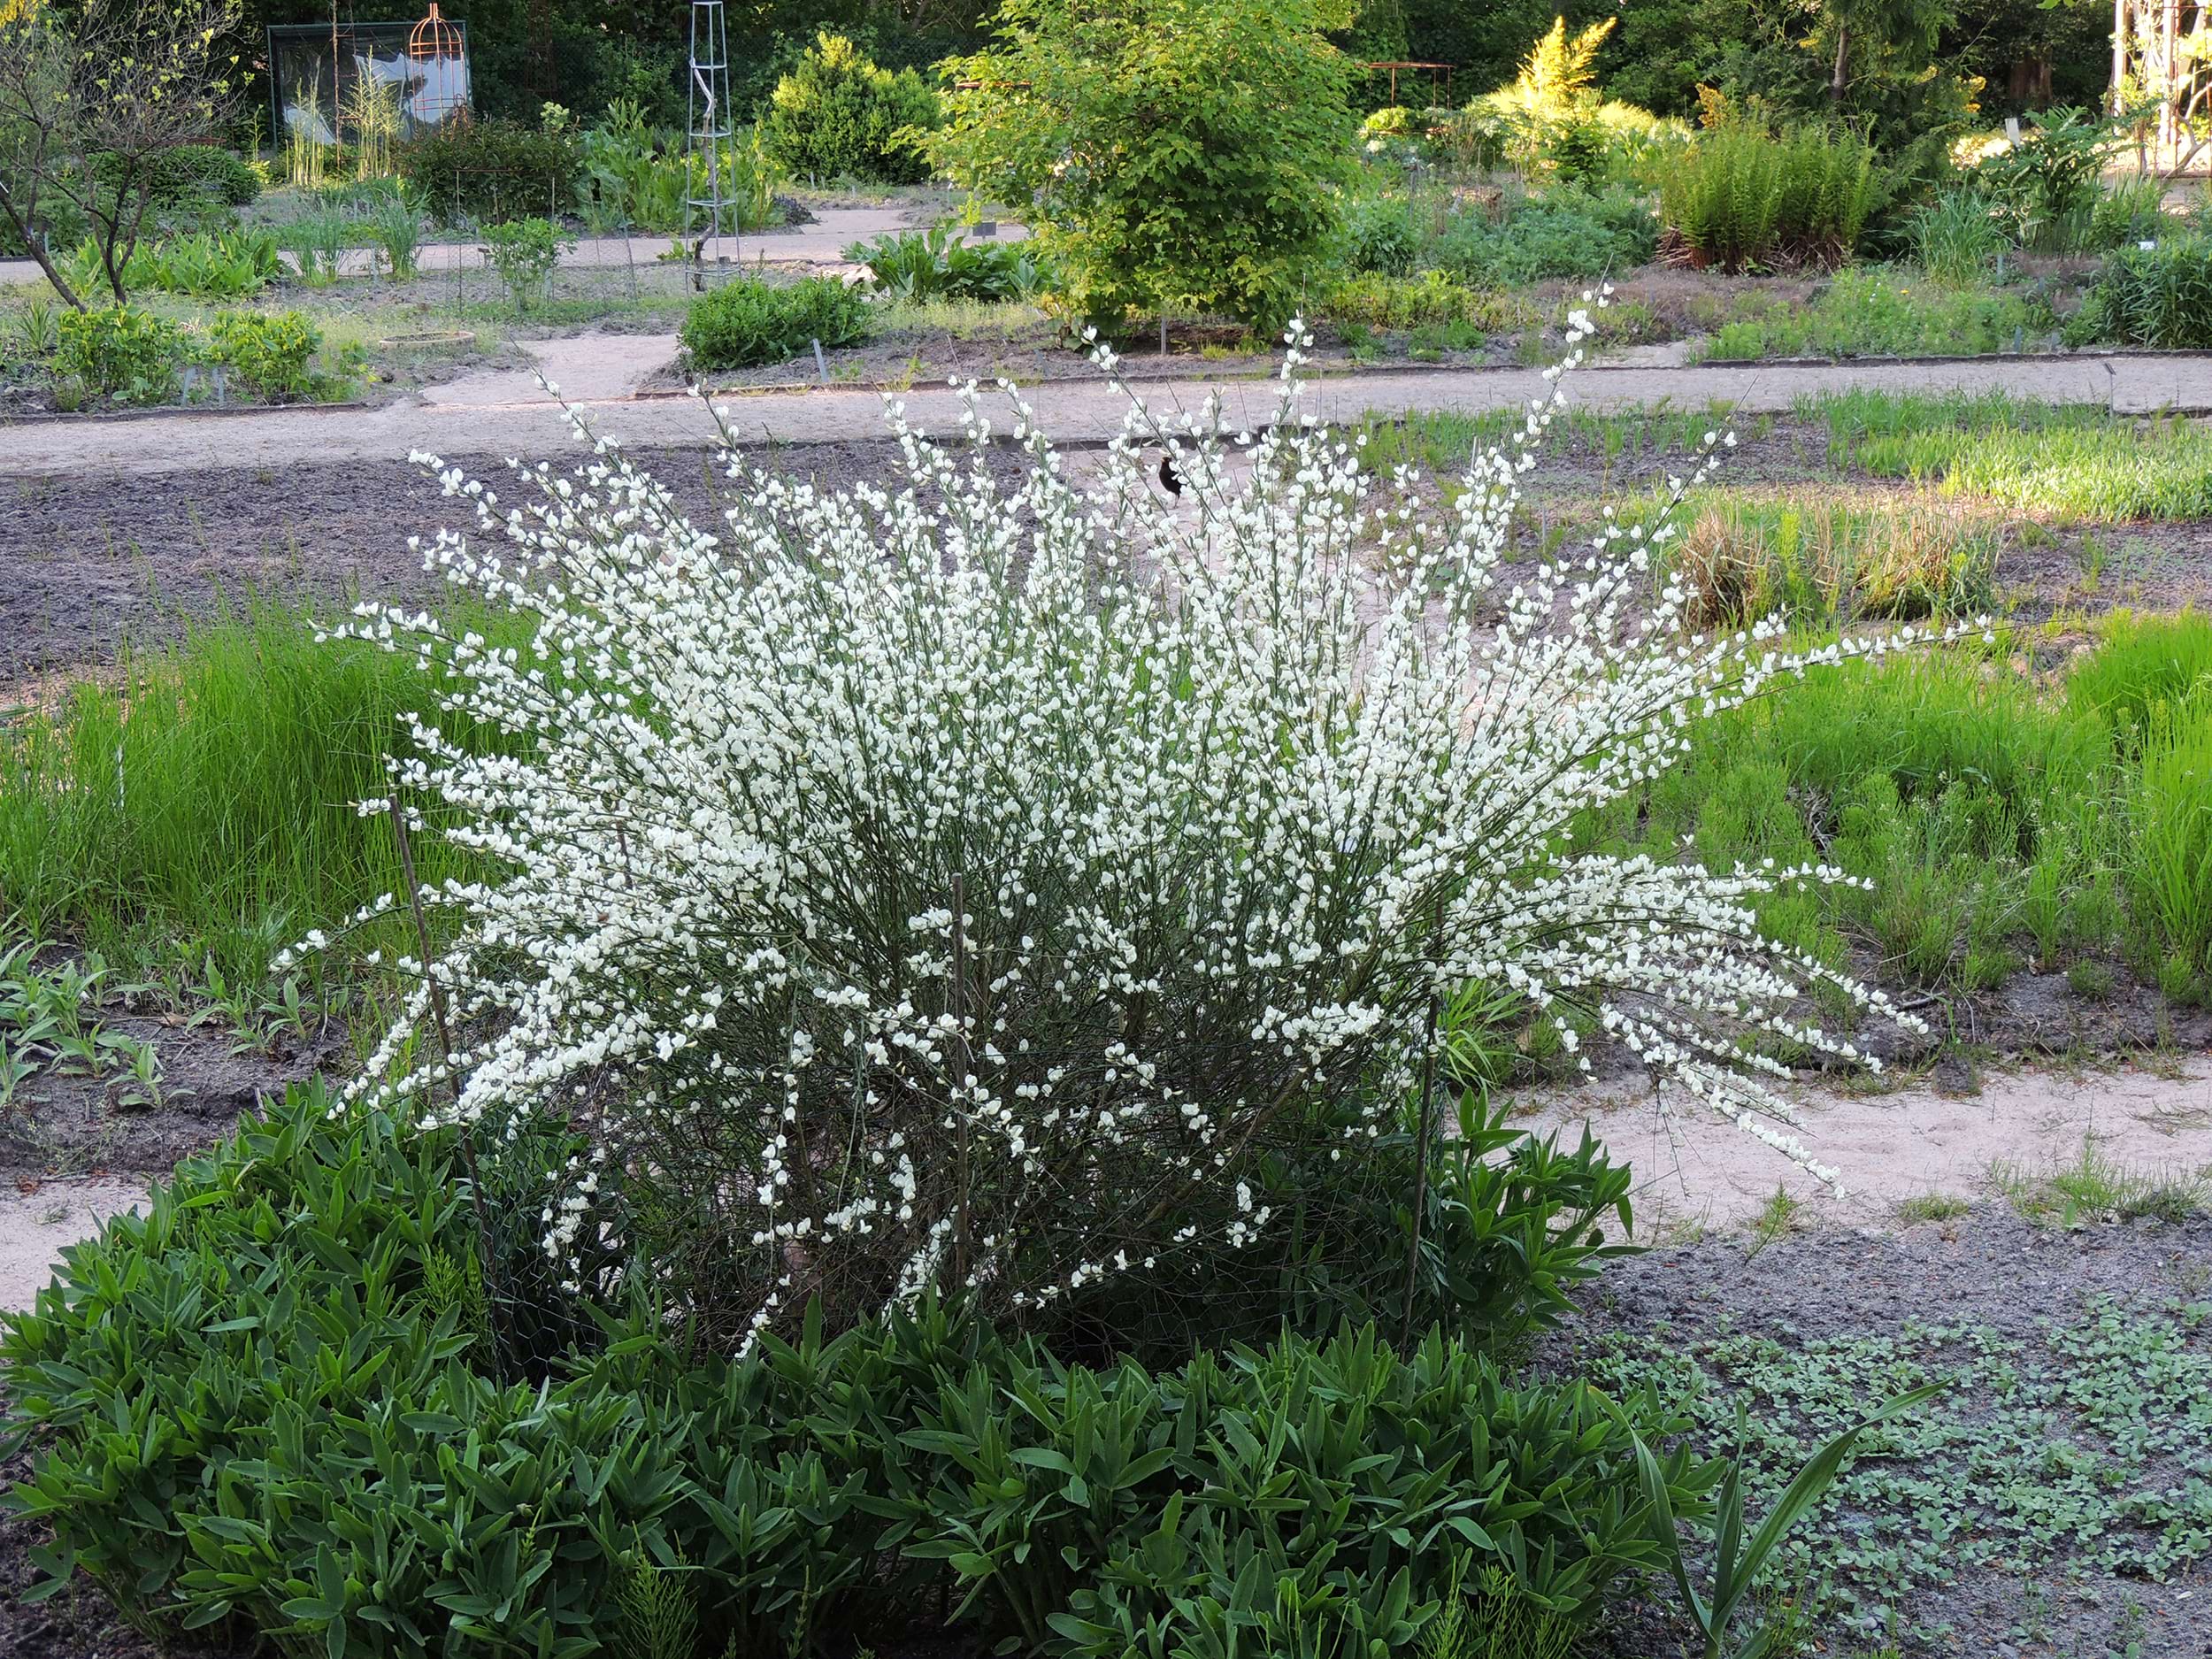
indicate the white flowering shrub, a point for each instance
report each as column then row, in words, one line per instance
column 972, row 884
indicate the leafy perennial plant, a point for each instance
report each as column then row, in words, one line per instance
column 987, row 886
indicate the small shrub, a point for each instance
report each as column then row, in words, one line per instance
column 1392, row 120
column 1556, row 89
column 525, row 252
column 748, row 322
column 2159, row 296
column 1568, row 234
column 939, row 264
column 190, row 174
column 837, row 115
column 2132, row 211
column 1380, row 236
column 122, row 352
column 1428, row 299
column 491, row 170
column 1183, row 154
column 2045, row 186
column 1740, row 198
column 971, row 676
column 274, row 353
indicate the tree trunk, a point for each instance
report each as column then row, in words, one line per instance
column 40, row 253
column 1843, row 45
column 2120, row 20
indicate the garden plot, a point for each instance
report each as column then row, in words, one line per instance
column 2010, row 790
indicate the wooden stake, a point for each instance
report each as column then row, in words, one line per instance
column 1427, row 1131
column 445, row 1038
column 958, row 1000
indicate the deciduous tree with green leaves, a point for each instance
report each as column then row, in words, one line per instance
column 89, row 100
column 1171, row 154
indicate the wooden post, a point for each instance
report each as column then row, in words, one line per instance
column 445, row 1040
column 958, row 1004
column 1426, row 1128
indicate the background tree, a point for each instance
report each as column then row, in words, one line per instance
column 89, row 99
column 1169, row 153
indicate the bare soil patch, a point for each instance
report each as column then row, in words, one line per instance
column 100, row 561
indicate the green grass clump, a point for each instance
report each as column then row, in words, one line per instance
column 2097, row 1186
column 1883, row 313
column 1931, row 1207
column 2159, row 296
column 2073, row 462
column 2170, row 852
column 1992, row 818
column 198, row 804
column 2141, row 662
column 1945, row 779
column 1441, row 441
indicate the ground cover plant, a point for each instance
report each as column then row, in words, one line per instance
column 837, row 115
column 764, row 1494
column 1883, row 313
column 2074, row 1453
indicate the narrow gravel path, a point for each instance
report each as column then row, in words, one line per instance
column 505, row 413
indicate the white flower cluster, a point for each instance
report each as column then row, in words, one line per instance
column 970, row 884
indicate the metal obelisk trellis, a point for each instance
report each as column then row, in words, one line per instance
column 709, row 133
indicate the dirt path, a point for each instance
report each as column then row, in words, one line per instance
column 820, row 244
column 505, row 412
column 1695, row 1170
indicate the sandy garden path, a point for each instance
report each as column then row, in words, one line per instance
column 820, row 244
column 505, row 412
column 1698, row 1173
column 1695, row 1172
